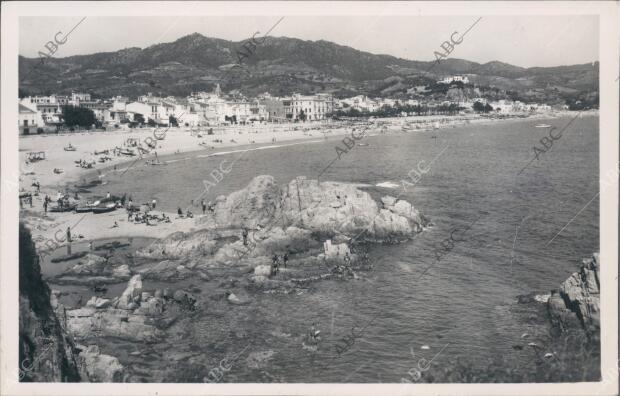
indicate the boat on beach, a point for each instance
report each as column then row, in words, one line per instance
column 128, row 152
column 69, row 148
column 543, row 126
column 104, row 208
column 64, row 208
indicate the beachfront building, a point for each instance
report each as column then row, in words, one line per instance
column 100, row 109
column 503, row 106
column 157, row 112
column 27, row 120
column 274, row 108
column 315, row 107
column 362, row 103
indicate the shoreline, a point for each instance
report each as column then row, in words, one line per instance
column 177, row 144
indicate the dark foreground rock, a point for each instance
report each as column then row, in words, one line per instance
column 577, row 302
column 47, row 352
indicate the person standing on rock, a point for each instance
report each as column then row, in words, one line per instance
column 154, row 203
column 285, row 259
column 204, row 206
column 274, row 265
column 244, row 233
column 45, row 205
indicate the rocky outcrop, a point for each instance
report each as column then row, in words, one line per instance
column 93, row 269
column 135, row 315
column 127, row 316
column 100, row 367
column 46, row 351
column 577, row 303
column 299, row 218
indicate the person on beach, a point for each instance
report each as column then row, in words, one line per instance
column 244, row 233
column 68, row 234
column 115, row 225
column 154, row 203
column 90, row 246
column 180, row 212
column 285, row 259
column 45, row 205
column 107, row 195
column 204, row 206
column 274, row 265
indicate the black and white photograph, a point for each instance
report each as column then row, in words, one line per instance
column 278, row 196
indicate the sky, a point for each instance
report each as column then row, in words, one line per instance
column 519, row 40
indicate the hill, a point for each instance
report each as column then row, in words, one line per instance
column 281, row 66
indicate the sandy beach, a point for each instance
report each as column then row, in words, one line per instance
column 177, row 141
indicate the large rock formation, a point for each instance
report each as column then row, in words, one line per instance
column 577, row 303
column 298, row 218
column 128, row 316
column 325, row 207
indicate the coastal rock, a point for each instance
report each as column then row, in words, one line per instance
column 250, row 207
column 46, row 350
column 85, row 323
column 237, row 300
column 100, row 367
column 132, row 293
column 98, row 302
column 95, row 269
column 297, row 218
column 262, row 270
column 126, row 317
column 578, row 297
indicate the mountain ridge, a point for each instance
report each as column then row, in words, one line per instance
column 281, row 65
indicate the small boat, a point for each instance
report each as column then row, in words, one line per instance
column 104, row 209
column 128, row 152
column 543, row 126
column 83, row 209
column 153, row 162
column 102, row 152
column 58, row 171
column 69, row 148
column 64, row 208
column 363, row 144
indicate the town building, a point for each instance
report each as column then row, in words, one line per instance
column 27, row 120
column 451, row 79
